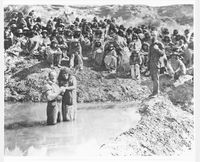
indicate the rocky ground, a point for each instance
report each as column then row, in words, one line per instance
column 164, row 129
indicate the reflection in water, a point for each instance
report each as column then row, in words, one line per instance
column 26, row 132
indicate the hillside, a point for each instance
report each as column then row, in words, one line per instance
column 175, row 16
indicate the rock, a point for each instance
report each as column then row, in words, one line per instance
column 182, row 80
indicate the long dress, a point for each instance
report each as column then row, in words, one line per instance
column 69, row 100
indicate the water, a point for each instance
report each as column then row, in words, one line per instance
column 26, row 132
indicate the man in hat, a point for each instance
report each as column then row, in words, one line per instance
column 49, row 27
column 168, row 45
column 174, row 36
column 97, row 38
column 45, row 39
column 75, row 54
column 129, row 36
column 187, row 35
column 34, row 43
column 156, row 51
column 20, row 38
column 45, row 42
column 8, row 38
column 63, row 47
column 98, row 53
column 175, row 66
column 21, row 21
column 54, row 54
column 53, row 94
column 54, row 35
column 29, row 22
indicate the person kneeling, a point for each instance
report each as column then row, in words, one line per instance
column 176, row 66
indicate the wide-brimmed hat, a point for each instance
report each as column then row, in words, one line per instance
column 19, row 31
column 54, row 41
column 175, row 54
column 44, row 31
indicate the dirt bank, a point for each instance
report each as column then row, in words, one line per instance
column 27, row 78
column 164, row 129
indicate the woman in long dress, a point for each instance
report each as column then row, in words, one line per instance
column 69, row 100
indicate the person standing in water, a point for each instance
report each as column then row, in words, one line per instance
column 53, row 94
column 69, row 100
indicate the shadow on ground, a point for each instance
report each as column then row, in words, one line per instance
column 22, row 74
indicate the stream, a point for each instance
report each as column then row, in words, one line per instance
column 26, row 132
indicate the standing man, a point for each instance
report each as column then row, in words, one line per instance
column 156, row 51
column 53, row 94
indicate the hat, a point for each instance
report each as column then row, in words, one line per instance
column 187, row 31
column 77, row 30
column 176, row 54
column 54, row 41
column 60, row 29
column 44, row 31
column 19, row 31
column 38, row 19
column 135, row 36
column 98, row 32
column 13, row 26
column 111, row 45
column 20, row 14
column 75, row 40
column 145, row 44
column 62, row 25
column 121, row 33
column 167, row 38
column 122, row 27
column 25, row 28
column 175, row 31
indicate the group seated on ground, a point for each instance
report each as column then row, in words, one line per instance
column 107, row 44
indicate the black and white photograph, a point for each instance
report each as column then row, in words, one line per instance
column 90, row 80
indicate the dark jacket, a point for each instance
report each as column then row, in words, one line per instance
column 155, row 54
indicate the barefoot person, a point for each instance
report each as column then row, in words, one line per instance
column 53, row 95
column 69, row 100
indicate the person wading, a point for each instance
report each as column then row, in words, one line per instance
column 53, row 95
column 156, row 51
column 69, row 100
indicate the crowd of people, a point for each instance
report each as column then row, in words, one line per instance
column 136, row 50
